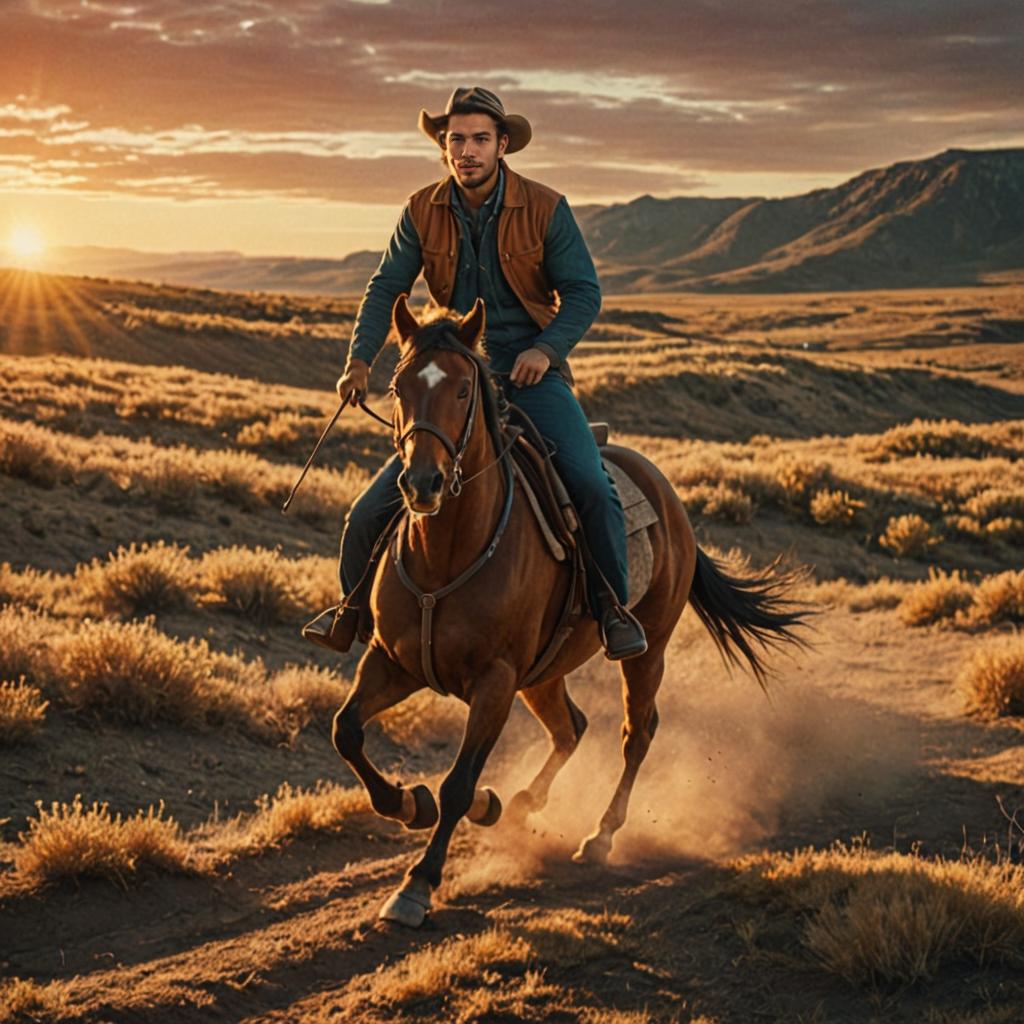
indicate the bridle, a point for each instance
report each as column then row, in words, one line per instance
column 428, row 600
column 456, row 450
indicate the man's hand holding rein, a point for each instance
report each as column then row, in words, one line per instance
column 353, row 383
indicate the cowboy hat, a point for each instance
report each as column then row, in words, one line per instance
column 477, row 100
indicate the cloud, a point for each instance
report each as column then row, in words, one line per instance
column 300, row 98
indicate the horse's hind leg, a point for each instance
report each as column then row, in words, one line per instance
column 565, row 724
column 380, row 684
column 641, row 678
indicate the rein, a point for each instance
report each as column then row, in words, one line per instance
column 428, row 601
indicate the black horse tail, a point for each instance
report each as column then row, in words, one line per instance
column 739, row 609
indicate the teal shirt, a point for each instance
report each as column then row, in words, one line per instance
column 510, row 328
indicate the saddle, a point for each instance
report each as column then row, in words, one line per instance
column 555, row 514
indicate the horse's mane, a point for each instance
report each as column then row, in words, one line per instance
column 439, row 331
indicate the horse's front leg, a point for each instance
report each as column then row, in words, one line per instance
column 380, row 684
column 489, row 706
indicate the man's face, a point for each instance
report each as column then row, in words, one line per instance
column 473, row 149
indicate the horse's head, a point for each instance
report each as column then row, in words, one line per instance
column 437, row 389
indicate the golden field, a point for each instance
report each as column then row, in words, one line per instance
column 176, row 824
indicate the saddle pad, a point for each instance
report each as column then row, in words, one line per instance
column 639, row 515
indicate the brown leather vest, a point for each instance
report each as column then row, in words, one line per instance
column 522, row 225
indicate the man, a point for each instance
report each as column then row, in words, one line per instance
column 485, row 231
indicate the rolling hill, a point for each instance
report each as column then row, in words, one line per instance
column 952, row 219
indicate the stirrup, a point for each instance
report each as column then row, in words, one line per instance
column 334, row 628
column 622, row 636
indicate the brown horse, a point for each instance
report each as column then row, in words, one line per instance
column 468, row 596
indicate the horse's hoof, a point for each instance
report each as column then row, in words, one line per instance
column 521, row 806
column 426, row 808
column 408, row 906
column 486, row 809
column 594, row 849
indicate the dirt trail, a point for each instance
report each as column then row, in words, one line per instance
column 862, row 735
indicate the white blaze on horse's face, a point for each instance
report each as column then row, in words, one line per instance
column 432, row 374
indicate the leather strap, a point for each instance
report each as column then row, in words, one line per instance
column 428, row 601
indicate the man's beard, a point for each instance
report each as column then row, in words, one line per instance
column 477, row 175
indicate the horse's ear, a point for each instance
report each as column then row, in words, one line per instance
column 471, row 326
column 405, row 323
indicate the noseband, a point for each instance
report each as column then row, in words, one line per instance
column 455, row 452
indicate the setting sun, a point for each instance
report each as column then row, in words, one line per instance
column 25, row 243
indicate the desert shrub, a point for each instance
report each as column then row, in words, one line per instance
column 942, row 598
column 240, row 478
column 75, row 841
column 22, row 710
column 279, row 432
column 168, row 478
column 254, row 582
column 137, row 580
column 423, row 719
column 299, row 695
column 24, row 999
column 894, row 917
column 1006, row 529
column 289, row 812
column 999, row 598
column 800, row 478
column 995, row 503
column 992, row 679
column 719, row 502
column 133, row 673
column 28, row 586
column 883, row 593
column 834, row 508
column 944, row 439
column 316, row 581
column 30, row 453
column 908, row 536
column 24, row 649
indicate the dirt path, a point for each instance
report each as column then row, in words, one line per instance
column 864, row 735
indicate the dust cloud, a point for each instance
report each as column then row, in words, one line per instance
column 728, row 769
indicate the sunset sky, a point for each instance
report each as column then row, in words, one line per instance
column 277, row 127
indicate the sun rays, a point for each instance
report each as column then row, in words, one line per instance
column 40, row 313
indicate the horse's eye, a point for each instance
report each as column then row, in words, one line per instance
column 464, row 390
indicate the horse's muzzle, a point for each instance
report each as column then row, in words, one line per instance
column 422, row 490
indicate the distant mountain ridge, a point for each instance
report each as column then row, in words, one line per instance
column 949, row 219
column 952, row 219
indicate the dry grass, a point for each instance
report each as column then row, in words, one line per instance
column 254, row 582
column 78, row 841
column 908, row 536
column 75, row 841
column 290, row 812
column 24, row 651
column 993, row 679
column 834, row 508
column 175, row 478
column 942, row 598
column 950, row 599
column 22, row 999
column 424, row 719
column 135, row 581
column 894, row 917
column 151, row 578
column 22, row 711
column 510, row 958
column 134, row 674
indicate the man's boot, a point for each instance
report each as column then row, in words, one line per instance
column 335, row 628
column 621, row 633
